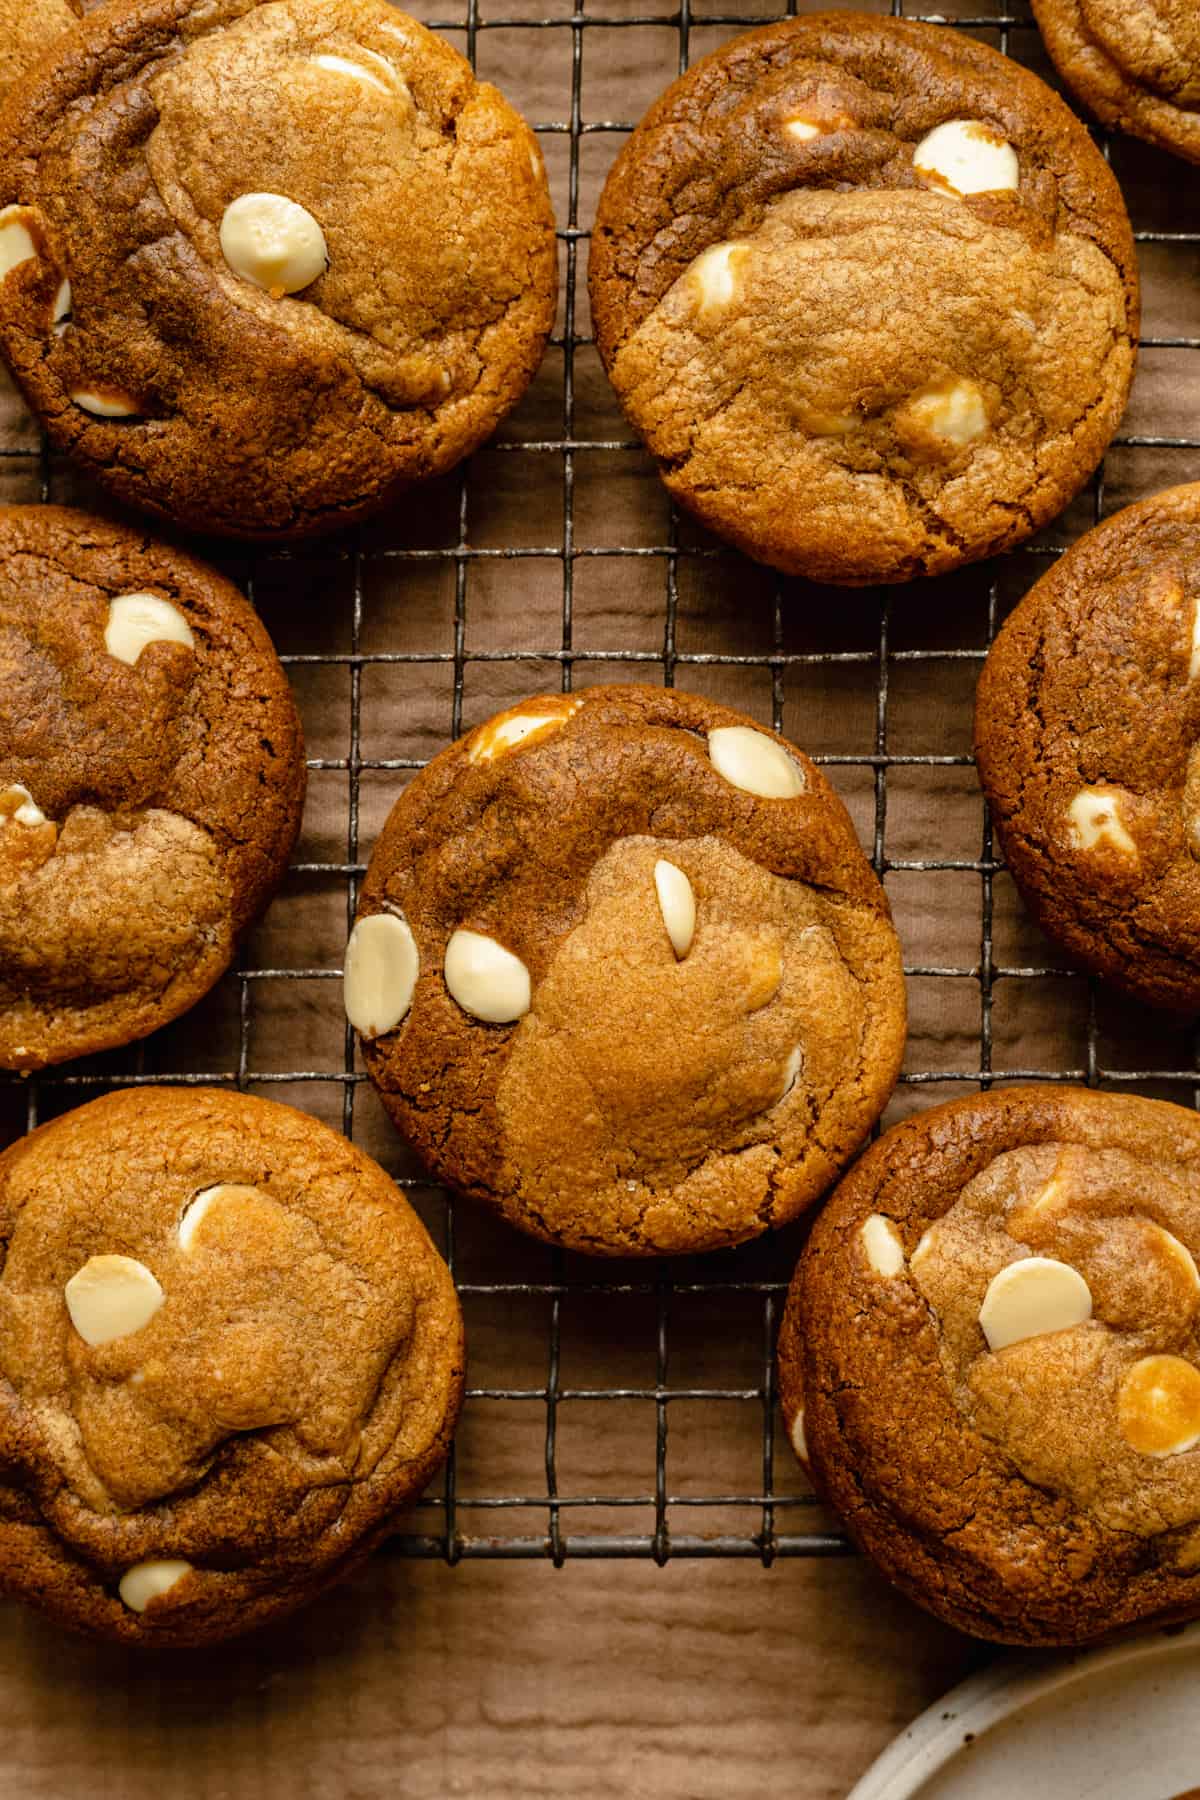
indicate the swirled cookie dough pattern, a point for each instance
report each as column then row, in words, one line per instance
column 1136, row 63
column 1087, row 730
column 151, row 782
column 228, row 1353
column 283, row 257
column 994, row 1340
column 869, row 293
column 623, row 972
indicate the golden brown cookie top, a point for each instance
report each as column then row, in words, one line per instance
column 27, row 31
column 994, row 1340
column 622, row 971
column 869, row 292
column 308, row 256
column 1136, row 63
column 1087, row 724
column 228, row 1352
column 151, row 781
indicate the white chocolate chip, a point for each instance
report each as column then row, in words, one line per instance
column 1095, row 818
column 146, row 1581
column 882, row 1246
column 16, row 241
column 755, row 763
column 61, row 315
column 108, row 405
column 135, row 620
column 924, row 1245
column 1158, row 1408
column 510, row 729
column 1033, row 1296
column 802, row 129
column 799, row 1441
column 486, row 980
column 342, row 65
column 112, row 1297
column 1177, row 1256
column 677, row 903
column 969, row 157
column 17, row 803
column 201, row 1204
column 791, row 1073
column 952, row 410
column 381, row 968
column 273, row 242
column 713, row 276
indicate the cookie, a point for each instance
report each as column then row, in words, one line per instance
column 622, row 973
column 868, row 291
column 1134, row 63
column 27, row 31
column 269, row 261
column 228, row 1353
column 990, row 1359
column 1086, row 731
column 151, row 782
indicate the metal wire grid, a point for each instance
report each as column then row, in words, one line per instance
column 446, row 1508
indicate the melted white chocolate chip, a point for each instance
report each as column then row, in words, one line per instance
column 1031, row 1297
column 61, row 314
column 968, row 157
column 273, row 242
column 677, row 903
column 16, row 239
column 799, row 1441
column 953, row 411
column 135, row 620
column 107, row 405
column 750, row 760
column 881, row 1245
column 380, row 973
column 713, row 275
column 18, row 803
column 509, row 729
column 1094, row 818
column 355, row 71
column 1158, row 1409
column 112, row 1297
column 146, row 1581
column 485, row 979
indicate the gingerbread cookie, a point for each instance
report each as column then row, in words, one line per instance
column 622, row 972
column 151, row 782
column 990, row 1359
column 868, row 291
column 265, row 261
column 1135, row 63
column 1087, row 729
column 228, row 1353
column 28, row 28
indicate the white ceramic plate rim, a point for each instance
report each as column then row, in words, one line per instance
column 1010, row 1684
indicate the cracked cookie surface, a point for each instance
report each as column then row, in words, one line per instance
column 844, row 364
column 1135, row 63
column 151, row 782
column 1087, row 740
column 185, row 1472
column 648, row 994
column 990, row 1360
column 191, row 364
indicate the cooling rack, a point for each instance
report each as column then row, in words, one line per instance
column 615, row 1409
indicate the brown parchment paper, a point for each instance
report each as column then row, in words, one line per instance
column 605, row 1678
